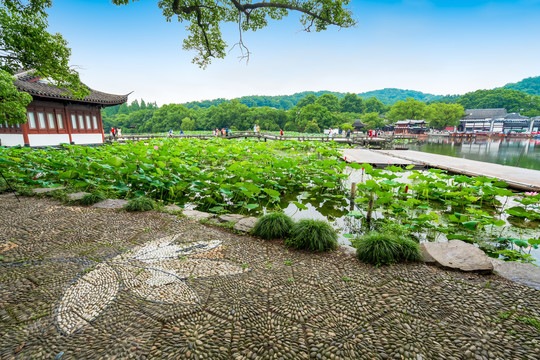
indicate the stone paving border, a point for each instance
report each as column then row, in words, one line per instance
column 284, row 304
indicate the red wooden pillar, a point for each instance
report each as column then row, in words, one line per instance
column 26, row 139
column 67, row 122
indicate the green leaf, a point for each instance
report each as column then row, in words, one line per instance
column 251, row 206
column 115, row 161
column 272, row 193
column 471, row 225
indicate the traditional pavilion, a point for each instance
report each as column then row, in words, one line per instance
column 56, row 117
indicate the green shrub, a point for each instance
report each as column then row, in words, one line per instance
column 315, row 235
column 90, row 199
column 386, row 248
column 140, row 204
column 276, row 225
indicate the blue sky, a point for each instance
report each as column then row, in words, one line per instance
column 440, row 47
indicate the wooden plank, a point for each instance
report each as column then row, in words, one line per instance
column 519, row 178
column 372, row 157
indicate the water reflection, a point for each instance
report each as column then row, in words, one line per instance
column 523, row 153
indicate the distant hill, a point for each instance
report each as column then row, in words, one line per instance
column 530, row 86
column 390, row 96
column 286, row 102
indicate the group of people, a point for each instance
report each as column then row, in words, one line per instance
column 116, row 132
column 222, row 132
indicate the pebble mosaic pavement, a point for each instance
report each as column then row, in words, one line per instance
column 246, row 298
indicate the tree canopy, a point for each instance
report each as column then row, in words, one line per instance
column 26, row 44
column 204, row 19
column 12, row 102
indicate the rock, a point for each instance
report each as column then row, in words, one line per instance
column 172, row 208
column 110, row 204
column 197, row 215
column 457, row 255
column 77, row 196
column 349, row 250
column 525, row 274
column 245, row 224
column 230, row 218
column 47, row 190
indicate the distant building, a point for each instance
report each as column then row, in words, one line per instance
column 497, row 120
column 410, row 127
column 55, row 117
column 358, row 125
column 481, row 120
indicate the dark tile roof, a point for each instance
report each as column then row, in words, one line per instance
column 484, row 113
column 35, row 86
column 410, row 122
column 515, row 116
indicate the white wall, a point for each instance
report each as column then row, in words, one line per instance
column 82, row 139
column 12, row 139
column 48, row 139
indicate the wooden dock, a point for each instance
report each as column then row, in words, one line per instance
column 374, row 158
column 515, row 177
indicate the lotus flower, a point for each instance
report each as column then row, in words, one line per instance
column 156, row 147
column 531, row 193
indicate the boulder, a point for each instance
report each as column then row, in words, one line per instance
column 230, row 218
column 245, row 224
column 77, row 196
column 110, row 204
column 47, row 190
column 197, row 215
column 457, row 255
column 521, row 273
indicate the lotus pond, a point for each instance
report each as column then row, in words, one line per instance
column 305, row 179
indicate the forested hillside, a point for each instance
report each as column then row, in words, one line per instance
column 315, row 111
column 287, row 102
column 390, row 96
column 511, row 100
column 530, row 86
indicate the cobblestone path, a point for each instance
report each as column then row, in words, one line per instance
column 80, row 283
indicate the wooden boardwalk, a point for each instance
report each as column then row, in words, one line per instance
column 515, row 177
column 374, row 158
column 355, row 139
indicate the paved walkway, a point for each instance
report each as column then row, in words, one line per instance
column 81, row 283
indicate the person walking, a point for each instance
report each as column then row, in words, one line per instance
column 281, row 132
column 113, row 133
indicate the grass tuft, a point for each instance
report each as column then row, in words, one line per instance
column 314, row 235
column 140, row 204
column 91, row 199
column 386, row 248
column 275, row 225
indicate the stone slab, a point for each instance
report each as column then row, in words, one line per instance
column 246, row 224
column 197, row 215
column 110, row 204
column 349, row 250
column 47, row 190
column 172, row 208
column 457, row 255
column 230, row 218
column 77, row 196
column 524, row 274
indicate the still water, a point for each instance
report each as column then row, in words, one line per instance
column 523, row 153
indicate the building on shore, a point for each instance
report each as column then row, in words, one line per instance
column 55, row 117
column 481, row 120
column 410, row 127
column 497, row 121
